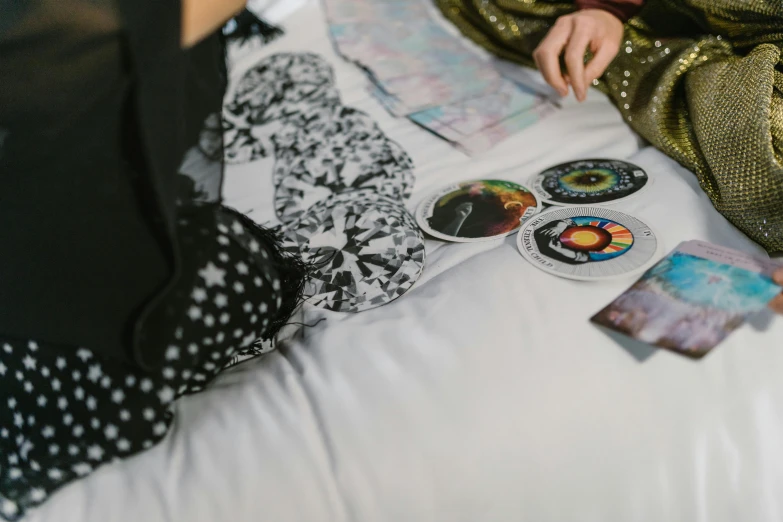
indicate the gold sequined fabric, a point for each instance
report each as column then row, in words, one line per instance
column 702, row 80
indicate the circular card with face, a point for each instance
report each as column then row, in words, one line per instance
column 588, row 243
column 476, row 210
column 590, row 182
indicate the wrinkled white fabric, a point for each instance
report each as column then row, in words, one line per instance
column 482, row 394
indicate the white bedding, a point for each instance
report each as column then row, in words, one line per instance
column 484, row 394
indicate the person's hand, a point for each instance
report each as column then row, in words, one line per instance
column 464, row 209
column 777, row 303
column 551, row 232
column 589, row 29
column 558, row 228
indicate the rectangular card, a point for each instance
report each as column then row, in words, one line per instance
column 423, row 71
column 477, row 124
column 428, row 90
column 692, row 299
column 390, row 103
column 400, row 48
column 408, row 95
column 528, row 77
column 490, row 136
column 414, row 60
column 729, row 256
column 468, row 116
column 357, row 11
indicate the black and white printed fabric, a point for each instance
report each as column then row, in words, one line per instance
column 281, row 89
column 345, row 152
column 365, row 247
column 68, row 411
column 340, row 183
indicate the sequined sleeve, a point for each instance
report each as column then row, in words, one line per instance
column 622, row 9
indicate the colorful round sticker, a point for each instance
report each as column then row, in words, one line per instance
column 590, row 243
column 602, row 239
column 476, row 210
column 589, row 182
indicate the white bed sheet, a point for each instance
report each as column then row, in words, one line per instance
column 483, row 393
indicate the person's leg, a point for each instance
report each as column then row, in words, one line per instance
column 243, row 295
column 68, row 411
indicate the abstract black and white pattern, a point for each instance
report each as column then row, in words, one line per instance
column 67, row 412
column 321, row 132
column 340, row 183
column 282, row 89
column 344, row 153
column 366, row 248
column 282, row 84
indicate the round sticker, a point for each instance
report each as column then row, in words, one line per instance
column 590, row 182
column 589, row 243
column 476, row 210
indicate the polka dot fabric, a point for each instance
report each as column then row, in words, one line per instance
column 65, row 412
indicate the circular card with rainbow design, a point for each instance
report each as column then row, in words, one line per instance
column 588, row 243
column 476, row 210
column 590, row 182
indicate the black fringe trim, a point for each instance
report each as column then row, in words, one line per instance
column 292, row 271
column 246, row 25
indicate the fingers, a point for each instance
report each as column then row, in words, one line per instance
column 777, row 304
column 575, row 58
column 602, row 57
column 547, row 54
column 572, row 35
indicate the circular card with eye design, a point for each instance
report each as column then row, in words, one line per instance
column 590, row 182
column 588, row 243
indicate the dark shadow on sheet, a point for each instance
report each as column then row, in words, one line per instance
column 637, row 349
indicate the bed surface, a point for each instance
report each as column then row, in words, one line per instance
column 483, row 394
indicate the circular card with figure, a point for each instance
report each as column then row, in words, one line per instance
column 590, row 182
column 476, row 210
column 588, row 243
